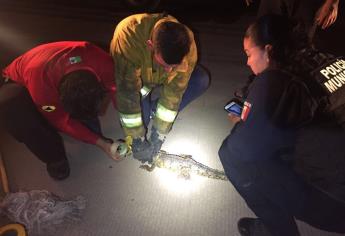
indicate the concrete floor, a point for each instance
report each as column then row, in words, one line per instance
column 123, row 199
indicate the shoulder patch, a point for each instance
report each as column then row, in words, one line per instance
column 331, row 75
column 246, row 110
column 74, row 60
column 48, row 108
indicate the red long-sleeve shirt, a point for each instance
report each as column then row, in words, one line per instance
column 41, row 69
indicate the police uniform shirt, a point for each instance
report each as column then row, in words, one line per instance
column 257, row 137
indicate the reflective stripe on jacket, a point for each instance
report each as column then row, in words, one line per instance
column 136, row 74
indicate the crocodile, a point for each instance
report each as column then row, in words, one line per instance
column 184, row 165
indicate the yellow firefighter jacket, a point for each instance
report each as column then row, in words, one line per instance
column 136, row 74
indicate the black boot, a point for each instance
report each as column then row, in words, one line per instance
column 58, row 170
column 252, row 227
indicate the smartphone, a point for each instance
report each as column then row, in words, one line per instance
column 233, row 108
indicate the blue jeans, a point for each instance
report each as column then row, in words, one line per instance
column 198, row 84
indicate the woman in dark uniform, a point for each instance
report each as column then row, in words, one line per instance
column 254, row 155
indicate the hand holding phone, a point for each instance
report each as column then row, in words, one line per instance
column 233, row 108
column 233, row 118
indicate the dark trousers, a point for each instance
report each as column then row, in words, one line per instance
column 277, row 195
column 19, row 117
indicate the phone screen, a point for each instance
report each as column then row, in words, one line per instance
column 233, row 108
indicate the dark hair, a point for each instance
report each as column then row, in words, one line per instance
column 172, row 41
column 81, row 94
column 285, row 35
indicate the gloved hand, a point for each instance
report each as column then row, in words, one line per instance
column 156, row 139
column 142, row 150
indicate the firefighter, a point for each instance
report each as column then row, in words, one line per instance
column 157, row 75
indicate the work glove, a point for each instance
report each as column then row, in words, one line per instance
column 156, row 139
column 142, row 150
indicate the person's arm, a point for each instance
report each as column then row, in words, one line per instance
column 167, row 108
column 168, row 104
column 128, row 82
column 173, row 90
column 63, row 123
column 327, row 13
column 233, row 118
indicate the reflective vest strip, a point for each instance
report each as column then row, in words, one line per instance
column 131, row 120
column 165, row 114
column 145, row 91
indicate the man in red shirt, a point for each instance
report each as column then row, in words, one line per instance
column 67, row 83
